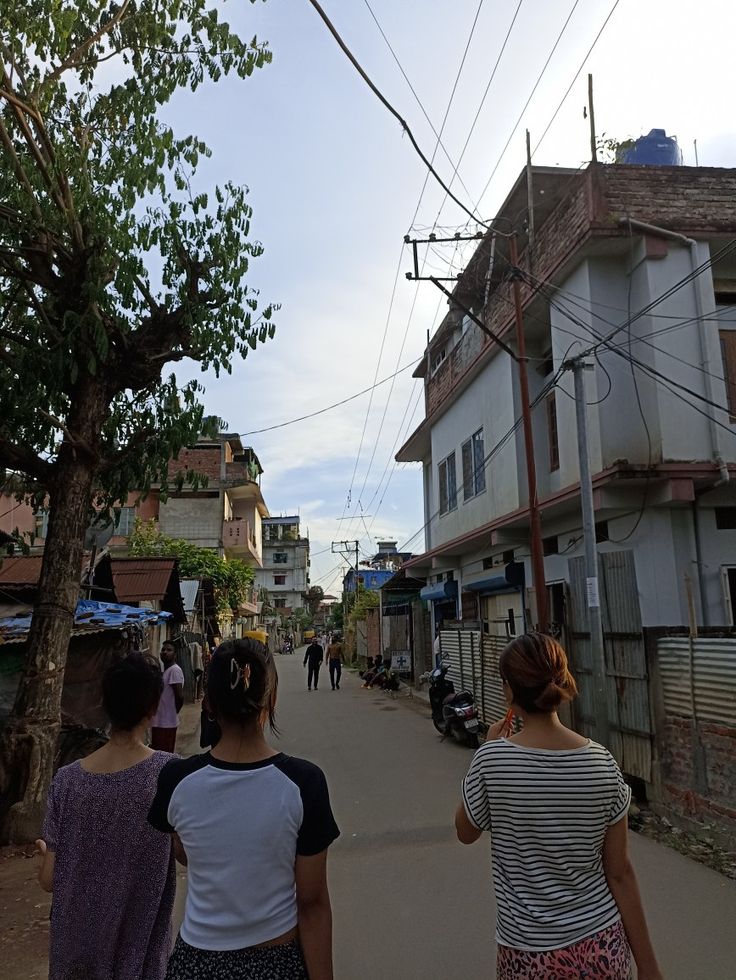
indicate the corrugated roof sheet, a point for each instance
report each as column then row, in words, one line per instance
column 22, row 571
column 189, row 589
column 137, row 579
column 90, row 617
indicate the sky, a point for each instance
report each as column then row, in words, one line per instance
column 335, row 185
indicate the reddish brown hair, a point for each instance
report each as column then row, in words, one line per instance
column 535, row 668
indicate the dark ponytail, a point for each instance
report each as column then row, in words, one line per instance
column 242, row 683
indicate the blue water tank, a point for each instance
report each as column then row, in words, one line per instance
column 656, row 149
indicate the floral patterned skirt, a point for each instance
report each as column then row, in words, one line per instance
column 284, row 962
column 604, row 956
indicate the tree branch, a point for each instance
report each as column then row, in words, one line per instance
column 74, row 441
column 77, row 54
column 14, row 457
column 19, row 171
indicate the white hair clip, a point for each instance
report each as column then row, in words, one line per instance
column 238, row 673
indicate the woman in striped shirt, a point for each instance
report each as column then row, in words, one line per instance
column 556, row 805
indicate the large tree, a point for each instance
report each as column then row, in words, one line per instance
column 113, row 263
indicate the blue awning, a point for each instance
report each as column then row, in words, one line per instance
column 511, row 581
column 439, row 591
column 497, row 583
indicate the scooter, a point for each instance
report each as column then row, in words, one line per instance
column 453, row 713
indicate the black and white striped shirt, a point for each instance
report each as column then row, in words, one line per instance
column 548, row 812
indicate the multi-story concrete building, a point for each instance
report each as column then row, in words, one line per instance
column 634, row 268
column 285, row 571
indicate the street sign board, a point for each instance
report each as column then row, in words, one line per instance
column 401, row 660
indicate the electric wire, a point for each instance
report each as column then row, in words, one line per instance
column 416, row 96
column 329, row 408
column 384, row 101
column 575, row 76
column 526, row 104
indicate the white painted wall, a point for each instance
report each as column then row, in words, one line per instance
column 487, row 402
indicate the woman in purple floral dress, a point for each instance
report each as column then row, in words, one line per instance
column 112, row 875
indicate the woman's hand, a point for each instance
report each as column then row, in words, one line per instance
column 40, row 847
column 501, row 729
column 45, row 866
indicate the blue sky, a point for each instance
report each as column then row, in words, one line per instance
column 334, row 186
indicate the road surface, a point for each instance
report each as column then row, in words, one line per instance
column 410, row 902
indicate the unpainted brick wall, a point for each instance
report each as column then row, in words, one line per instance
column 374, row 637
column 204, row 460
column 699, row 771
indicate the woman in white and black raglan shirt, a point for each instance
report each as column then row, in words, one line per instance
column 555, row 804
column 253, row 826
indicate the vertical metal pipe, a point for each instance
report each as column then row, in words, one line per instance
column 535, row 525
column 598, row 655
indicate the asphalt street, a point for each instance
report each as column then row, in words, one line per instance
column 410, row 902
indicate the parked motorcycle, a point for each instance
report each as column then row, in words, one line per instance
column 453, row 713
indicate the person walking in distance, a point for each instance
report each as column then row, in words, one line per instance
column 253, row 826
column 313, row 658
column 335, row 660
column 556, row 805
column 112, row 875
column 166, row 720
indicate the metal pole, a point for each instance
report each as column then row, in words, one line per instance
column 591, row 114
column 598, row 654
column 530, row 199
column 535, row 524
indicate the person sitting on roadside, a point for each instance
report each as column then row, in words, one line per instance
column 556, row 804
column 368, row 667
column 369, row 677
column 253, row 825
column 112, row 875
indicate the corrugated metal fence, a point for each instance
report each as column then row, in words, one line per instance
column 473, row 658
column 699, row 678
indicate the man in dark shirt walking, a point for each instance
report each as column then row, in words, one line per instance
column 314, row 657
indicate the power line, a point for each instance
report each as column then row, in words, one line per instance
column 328, row 408
column 575, row 76
column 480, row 107
column 384, row 101
column 414, row 92
column 526, row 104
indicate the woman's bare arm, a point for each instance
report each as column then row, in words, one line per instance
column 314, row 915
column 624, row 887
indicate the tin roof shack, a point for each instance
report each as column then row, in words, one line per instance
column 145, row 582
column 102, row 632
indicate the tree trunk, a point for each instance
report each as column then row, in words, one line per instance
column 29, row 741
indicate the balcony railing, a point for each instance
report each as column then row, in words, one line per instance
column 239, row 534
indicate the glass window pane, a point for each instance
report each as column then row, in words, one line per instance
column 451, row 483
column 479, row 461
column 468, row 483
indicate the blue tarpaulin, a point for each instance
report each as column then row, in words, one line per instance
column 90, row 617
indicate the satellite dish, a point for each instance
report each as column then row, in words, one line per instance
column 97, row 536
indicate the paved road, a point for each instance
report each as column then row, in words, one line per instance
column 409, row 901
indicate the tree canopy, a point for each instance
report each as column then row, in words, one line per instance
column 232, row 579
column 111, row 264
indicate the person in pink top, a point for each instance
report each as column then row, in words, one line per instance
column 166, row 720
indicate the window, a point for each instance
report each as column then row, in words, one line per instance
column 437, row 358
column 728, row 353
column 474, row 471
column 725, row 518
column 125, row 522
column 551, row 546
column 279, row 580
column 554, row 447
column 279, row 602
column 280, row 557
column 42, row 524
column 601, row 531
column 448, row 484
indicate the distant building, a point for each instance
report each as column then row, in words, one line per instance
column 285, row 571
column 375, row 571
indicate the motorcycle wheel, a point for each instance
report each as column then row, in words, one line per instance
column 459, row 734
column 440, row 726
column 473, row 741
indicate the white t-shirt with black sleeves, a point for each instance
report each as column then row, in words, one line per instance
column 242, row 826
column 548, row 812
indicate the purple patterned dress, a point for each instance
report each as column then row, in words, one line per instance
column 114, row 876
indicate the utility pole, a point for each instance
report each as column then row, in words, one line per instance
column 535, row 523
column 591, row 114
column 597, row 649
column 345, row 548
